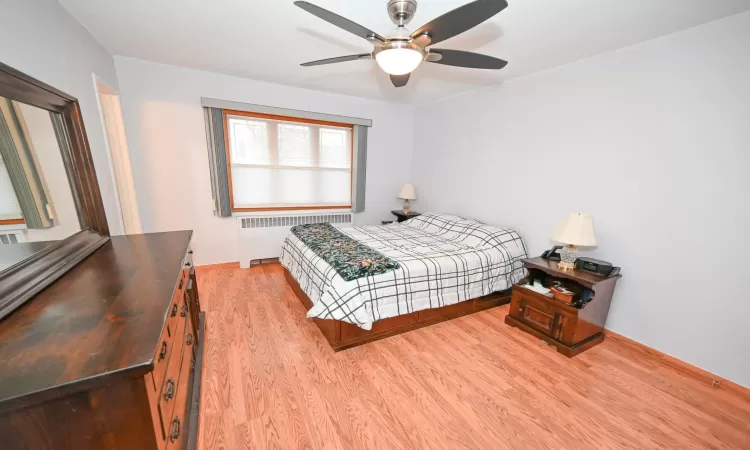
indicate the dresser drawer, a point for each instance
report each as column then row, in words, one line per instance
column 174, row 423
column 168, row 392
column 166, row 344
column 541, row 313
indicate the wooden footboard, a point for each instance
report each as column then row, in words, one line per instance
column 343, row 335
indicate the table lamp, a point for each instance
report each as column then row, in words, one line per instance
column 407, row 193
column 576, row 230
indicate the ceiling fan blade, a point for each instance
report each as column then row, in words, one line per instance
column 400, row 80
column 460, row 58
column 460, row 19
column 337, row 59
column 339, row 21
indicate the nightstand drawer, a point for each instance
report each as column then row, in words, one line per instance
column 543, row 314
column 571, row 328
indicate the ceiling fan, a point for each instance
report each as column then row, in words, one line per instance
column 401, row 52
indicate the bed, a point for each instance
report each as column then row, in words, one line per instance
column 444, row 266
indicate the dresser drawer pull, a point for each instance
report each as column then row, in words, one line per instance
column 184, row 311
column 174, row 310
column 175, row 434
column 163, row 352
column 190, row 339
column 169, row 391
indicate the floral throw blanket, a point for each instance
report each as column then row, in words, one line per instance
column 349, row 257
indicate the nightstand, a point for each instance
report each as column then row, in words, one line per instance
column 569, row 327
column 402, row 216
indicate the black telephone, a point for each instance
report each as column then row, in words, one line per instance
column 552, row 254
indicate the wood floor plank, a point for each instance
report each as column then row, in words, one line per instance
column 271, row 381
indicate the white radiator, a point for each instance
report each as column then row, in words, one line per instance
column 11, row 237
column 261, row 236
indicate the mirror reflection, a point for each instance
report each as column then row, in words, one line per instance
column 36, row 202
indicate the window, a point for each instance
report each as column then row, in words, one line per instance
column 278, row 162
column 10, row 210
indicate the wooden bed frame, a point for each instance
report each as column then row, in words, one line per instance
column 343, row 335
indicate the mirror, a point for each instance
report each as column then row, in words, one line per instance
column 37, row 207
column 51, row 208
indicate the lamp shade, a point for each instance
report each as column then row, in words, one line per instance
column 576, row 229
column 408, row 192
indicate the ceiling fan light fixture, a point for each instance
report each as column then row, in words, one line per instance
column 401, row 52
column 399, row 61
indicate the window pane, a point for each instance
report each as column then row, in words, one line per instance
column 265, row 186
column 294, row 145
column 282, row 163
column 252, row 186
column 297, row 187
column 335, row 146
column 249, row 142
column 335, row 187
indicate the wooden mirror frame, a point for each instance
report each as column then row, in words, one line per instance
column 25, row 279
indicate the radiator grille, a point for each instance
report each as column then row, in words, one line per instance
column 9, row 238
column 290, row 221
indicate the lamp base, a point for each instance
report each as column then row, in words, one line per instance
column 568, row 257
column 407, row 208
column 565, row 266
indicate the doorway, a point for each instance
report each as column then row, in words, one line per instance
column 119, row 156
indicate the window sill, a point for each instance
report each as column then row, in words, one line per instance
column 12, row 228
column 291, row 211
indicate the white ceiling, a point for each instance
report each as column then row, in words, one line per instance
column 268, row 39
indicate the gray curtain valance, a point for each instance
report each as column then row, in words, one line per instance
column 262, row 109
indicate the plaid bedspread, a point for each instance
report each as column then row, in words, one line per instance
column 443, row 260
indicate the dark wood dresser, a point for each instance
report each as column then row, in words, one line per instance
column 109, row 355
column 571, row 327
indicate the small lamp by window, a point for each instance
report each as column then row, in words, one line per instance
column 576, row 230
column 407, row 193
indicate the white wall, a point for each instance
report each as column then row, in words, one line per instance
column 53, row 175
column 40, row 38
column 654, row 141
column 167, row 140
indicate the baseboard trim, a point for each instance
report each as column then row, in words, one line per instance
column 227, row 265
column 691, row 371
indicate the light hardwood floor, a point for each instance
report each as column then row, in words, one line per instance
column 272, row 381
